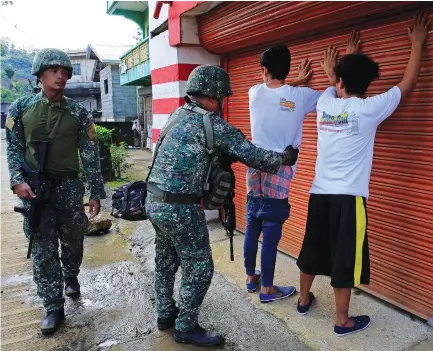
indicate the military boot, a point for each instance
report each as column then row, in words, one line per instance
column 72, row 287
column 167, row 323
column 52, row 321
column 198, row 336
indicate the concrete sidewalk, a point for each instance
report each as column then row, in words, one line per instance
column 391, row 329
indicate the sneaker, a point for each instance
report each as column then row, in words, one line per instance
column 361, row 323
column 303, row 309
column 252, row 287
column 198, row 336
column 283, row 292
column 167, row 323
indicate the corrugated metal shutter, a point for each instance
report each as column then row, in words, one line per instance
column 400, row 207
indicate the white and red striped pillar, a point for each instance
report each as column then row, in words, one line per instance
column 170, row 68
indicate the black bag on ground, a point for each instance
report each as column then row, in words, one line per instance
column 129, row 200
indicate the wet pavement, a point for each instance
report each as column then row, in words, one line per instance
column 116, row 309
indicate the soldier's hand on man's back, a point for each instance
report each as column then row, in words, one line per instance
column 290, row 155
column 24, row 191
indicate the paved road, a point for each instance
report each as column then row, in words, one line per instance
column 116, row 310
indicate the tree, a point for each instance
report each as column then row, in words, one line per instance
column 138, row 36
column 9, row 72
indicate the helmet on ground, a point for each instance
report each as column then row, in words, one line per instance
column 210, row 81
column 49, row 58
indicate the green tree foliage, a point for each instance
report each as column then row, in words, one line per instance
column 16, row 74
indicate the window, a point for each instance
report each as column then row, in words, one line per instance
column 76, row 69
column 106, row 86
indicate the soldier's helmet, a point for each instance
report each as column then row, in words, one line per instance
column 210, row 81
column 51, row 58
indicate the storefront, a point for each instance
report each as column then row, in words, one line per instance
column 400, row 207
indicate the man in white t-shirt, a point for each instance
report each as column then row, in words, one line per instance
column 335, row 242
column 277, row 113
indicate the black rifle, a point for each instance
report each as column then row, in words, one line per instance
column 39, row 184
column 228, row 211
column 229, row 221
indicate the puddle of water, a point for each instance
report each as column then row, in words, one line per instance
column 102, row 250
column 107, row 344
column 116, row 348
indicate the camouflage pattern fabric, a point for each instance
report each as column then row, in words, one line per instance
column 49, row 57
column 182, row 237
column 210, row 81
column 64, row 219
column 183, row 161
column 16, row 144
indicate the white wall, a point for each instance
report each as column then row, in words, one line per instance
column 87, row 70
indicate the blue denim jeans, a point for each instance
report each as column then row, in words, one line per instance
column 268, row 216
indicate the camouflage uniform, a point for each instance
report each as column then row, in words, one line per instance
column 182, row 236
column 64, row 218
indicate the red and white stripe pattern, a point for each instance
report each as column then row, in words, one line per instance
column 170, row 69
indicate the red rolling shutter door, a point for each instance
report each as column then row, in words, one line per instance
column 400, row 207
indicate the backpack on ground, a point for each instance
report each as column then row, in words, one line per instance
column 129, row 200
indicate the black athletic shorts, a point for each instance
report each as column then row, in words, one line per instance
column 335, row 242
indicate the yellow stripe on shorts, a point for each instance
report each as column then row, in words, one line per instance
column 361, row 226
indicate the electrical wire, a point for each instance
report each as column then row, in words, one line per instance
column 16, row 27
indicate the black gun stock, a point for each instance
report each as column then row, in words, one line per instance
column 38, row 183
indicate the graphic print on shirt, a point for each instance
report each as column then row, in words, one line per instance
column 287, row 105
column 343, row 123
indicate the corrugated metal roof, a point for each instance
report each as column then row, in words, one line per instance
column 107, row 53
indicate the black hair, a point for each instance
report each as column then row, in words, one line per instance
column 277, row 60
column 356, row 71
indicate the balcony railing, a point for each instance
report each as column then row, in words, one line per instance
column 135, row 64
column 137, row 55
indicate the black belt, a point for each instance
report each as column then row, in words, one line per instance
column 155, row 194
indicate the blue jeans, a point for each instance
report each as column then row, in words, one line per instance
column 268, row 216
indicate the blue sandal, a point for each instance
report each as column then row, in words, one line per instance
column 282, row 293
column 252, row 287
column 361, row 323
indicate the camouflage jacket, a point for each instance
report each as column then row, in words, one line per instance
column 16, row 141
column 182, row 161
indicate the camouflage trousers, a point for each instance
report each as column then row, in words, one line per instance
column 182, row 239
column 64, row 220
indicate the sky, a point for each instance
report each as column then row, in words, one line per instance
column 64, row 24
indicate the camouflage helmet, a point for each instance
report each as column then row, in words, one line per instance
column 48, row 58
column 210, row 81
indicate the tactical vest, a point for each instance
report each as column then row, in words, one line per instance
column 219, row 182
column 47, row 121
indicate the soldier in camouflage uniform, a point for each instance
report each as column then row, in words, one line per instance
column 65, row 123
column 179, row 172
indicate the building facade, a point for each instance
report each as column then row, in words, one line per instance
column 119, row 103
column 133, row 70
column 84, row 83
column 184, row 34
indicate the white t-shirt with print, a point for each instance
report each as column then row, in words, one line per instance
column 277, row 115
column 346, row 131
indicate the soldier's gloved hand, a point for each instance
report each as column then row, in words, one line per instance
column 290, row 155
column 24, row 191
